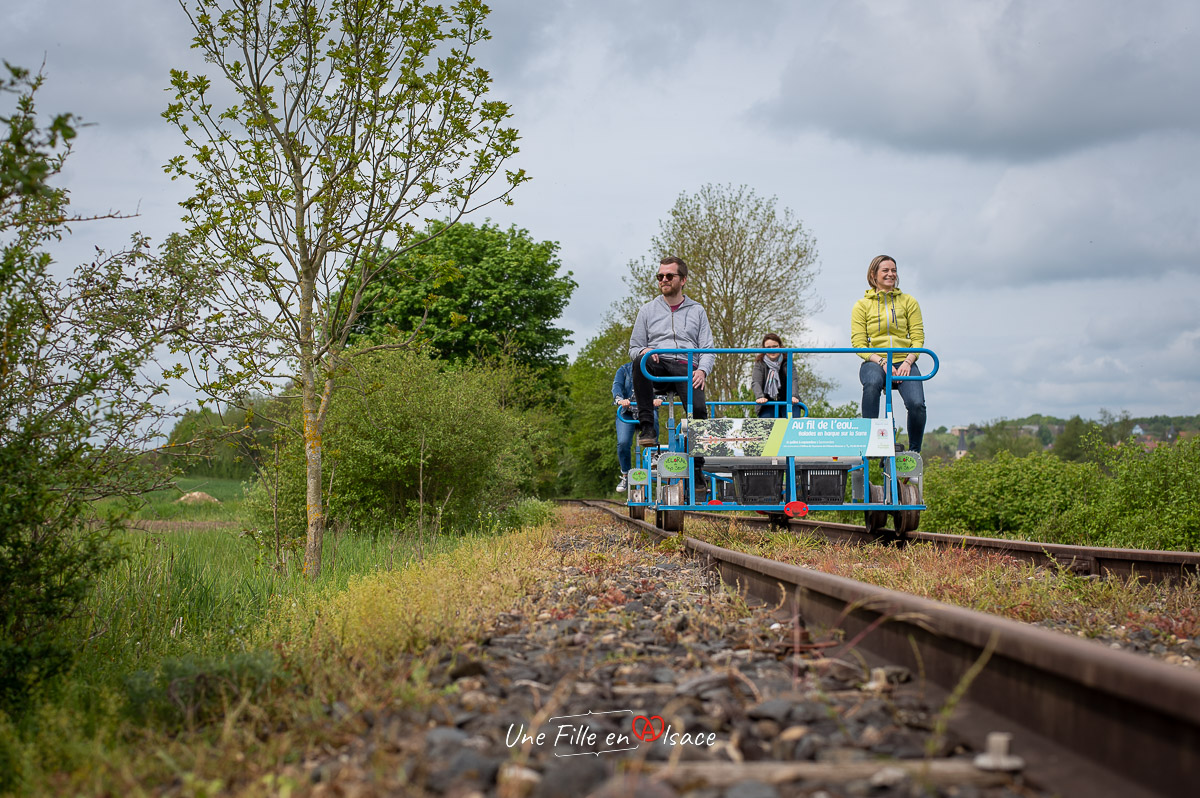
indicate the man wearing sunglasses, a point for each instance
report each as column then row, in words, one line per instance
column 669, row 321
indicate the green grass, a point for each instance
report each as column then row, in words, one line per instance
column 205, row 591
column 200, row 617
column 164, row 504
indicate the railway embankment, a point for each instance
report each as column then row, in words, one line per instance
column 632, row 670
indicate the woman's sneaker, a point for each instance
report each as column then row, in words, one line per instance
column 624, row 483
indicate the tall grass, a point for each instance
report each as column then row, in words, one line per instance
column 205, row 591
column 199, row 620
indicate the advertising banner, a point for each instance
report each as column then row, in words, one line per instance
column 795, row 437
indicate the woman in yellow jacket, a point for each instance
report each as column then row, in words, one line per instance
column 888, row 317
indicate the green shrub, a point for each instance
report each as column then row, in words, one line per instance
column 527, row 513
column 1005, row 494
column 1124, row 497
column 1148, row 500
column 410, row 441
column 195, row 691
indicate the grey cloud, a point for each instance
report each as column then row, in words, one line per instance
column 106, row 63
column 533, row 39
column 1007, row 79
column 1125, row 211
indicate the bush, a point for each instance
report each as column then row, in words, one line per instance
column 409, row 441
column 196, row 691
column 1004, row 494
column 1148, row 500
column 1124, row 497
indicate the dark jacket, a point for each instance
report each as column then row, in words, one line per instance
column 758, row 381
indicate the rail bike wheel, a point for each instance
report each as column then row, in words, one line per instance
column 907, row 521
column 637, row 513
column 876, row 520
column 778, row 521
column 670, row 520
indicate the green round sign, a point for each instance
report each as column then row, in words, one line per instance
column 675, row 463
column 905, row 463
column 639, row 475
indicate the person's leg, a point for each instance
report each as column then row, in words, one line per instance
column 765, row 411
column 913, row 394
column 871, row 376
column 624, row 441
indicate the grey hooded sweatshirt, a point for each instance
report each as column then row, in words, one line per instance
column 658, row 327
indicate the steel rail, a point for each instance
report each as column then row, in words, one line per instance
column 1154, row 565
column 1089, row 720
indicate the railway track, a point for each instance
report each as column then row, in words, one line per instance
column 1157, row 566
column 1087, row 720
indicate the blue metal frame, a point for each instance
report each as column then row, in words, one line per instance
column 675, row 442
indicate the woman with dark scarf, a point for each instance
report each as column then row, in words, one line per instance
column 769, row 381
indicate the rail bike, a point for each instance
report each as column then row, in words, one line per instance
column 782, row 467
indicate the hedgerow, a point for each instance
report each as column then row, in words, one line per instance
column 1125, row 497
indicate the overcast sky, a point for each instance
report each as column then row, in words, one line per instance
column 1033, row 165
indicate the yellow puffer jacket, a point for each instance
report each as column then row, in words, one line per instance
column 886, row 319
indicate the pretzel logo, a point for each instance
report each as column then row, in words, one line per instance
column 645, row 730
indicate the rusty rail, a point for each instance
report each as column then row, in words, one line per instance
column 1089, row 720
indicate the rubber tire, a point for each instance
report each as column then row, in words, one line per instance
column 779, row 521
column 637, row 513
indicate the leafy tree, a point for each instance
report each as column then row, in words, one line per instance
column 1115, row 427
column 76, row 411
column 350, row 122
column 1003, row 436
column 226, row 443
column 591, row 443
column 1044, row 436
column 1071, row 444
column 501, row 296
column 749, row 264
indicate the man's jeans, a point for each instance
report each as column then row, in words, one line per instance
column 871, row 376
column 643, row 389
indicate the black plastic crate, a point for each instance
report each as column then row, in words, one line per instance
column 758, row 485
column 823, row 485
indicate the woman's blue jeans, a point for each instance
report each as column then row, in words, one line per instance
column 625, row 436
column 872, row 378
column 778, row 411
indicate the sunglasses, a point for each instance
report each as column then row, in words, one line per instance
column 660, row 277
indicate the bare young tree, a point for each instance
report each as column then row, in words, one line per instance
column 750, row 266
column 347, row 124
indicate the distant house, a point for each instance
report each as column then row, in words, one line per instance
column 1137, row 431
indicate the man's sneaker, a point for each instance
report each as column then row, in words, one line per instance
column 624, row 483
column 648, row 438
